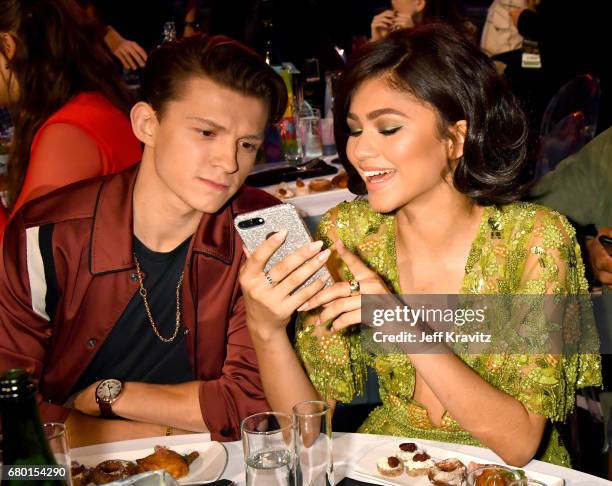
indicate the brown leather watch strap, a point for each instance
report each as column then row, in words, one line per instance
column 106, row 409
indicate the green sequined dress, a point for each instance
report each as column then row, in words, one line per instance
column 520, row 248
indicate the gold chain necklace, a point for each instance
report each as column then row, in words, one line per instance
column 143, row 293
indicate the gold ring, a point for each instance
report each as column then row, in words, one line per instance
column 354, row 286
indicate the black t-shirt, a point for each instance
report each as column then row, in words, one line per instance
column 132, row 351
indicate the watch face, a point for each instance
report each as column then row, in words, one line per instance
column 108, row 390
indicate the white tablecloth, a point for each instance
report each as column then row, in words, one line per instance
column 348, row 448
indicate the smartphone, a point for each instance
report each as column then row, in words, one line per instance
column 257, row 226
column 606, row 241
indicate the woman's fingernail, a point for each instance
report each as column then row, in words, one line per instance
column 315, row 245
column 324, row 255
column 280, row 235
column 303, row 307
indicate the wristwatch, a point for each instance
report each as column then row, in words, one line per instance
column 107, row 392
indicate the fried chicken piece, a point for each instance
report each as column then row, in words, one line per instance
column 164, row 458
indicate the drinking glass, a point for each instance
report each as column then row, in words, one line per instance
column 492, row 474
column 269, row 449
column 314, row 465
column 58, row 443
column 308, row 132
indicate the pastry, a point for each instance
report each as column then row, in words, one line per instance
column 283, row 191
column 340, row 181
column 301, row 189
column 390, row 466
column 407, row 451
column 112, row 470
column 419, row 465
column 449, row 472
column 320, row 185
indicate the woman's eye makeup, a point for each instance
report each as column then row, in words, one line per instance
column 389, row 130
column 354, row 132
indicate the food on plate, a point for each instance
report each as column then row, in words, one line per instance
column 79, row 474
column 320, row 185
column 419, row 465
column 390, row 466
column 492, row 475
column 341, row 180
column 171, row 461
column 283, row 191
column 112, row 470
column 407, row 451
column 176, row 464
column 301, row 189
column 449, row 472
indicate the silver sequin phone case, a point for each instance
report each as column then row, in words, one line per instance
column 257, row 226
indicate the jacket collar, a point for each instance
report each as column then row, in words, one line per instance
column 111, row 247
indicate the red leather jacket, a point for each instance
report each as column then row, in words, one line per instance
column 67, row 273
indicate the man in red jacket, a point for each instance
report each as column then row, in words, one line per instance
column 121, row 294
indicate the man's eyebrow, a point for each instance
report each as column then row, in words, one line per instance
column 207, row 121
column 256, row 136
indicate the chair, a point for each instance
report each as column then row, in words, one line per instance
column 569, row 122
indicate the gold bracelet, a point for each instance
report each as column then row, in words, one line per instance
column 168, row 430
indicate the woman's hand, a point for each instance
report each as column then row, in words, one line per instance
column 267, row 296
column 131, row 55
column 341, row 303
column 402, row 21
column 382, row 24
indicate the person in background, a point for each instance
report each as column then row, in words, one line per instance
column 581, row 188
column 132, row 29
column 406, row 14
column 426, row 121
column 570, row 39
column 70, row 107
column 499, row 33
column 120, row 294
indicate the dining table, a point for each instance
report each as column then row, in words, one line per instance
column 348, row 448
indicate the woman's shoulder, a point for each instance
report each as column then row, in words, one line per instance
column 351, row 221
column 526, row 216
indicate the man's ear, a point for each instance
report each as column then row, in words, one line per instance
column 8, row 45
column 144, row 123
column 457, row 139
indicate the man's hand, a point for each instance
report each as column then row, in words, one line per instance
column 131, row 55
column 601, row 261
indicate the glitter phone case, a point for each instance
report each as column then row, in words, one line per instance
column 255, row 227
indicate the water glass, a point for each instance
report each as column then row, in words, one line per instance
column 308, row 132
column 57, row 437
column 313, row 438
column 269, row 449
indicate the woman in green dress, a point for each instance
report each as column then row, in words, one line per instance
column 433, row 132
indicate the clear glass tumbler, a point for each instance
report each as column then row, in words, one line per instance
column 268, row 441
column 313, row 436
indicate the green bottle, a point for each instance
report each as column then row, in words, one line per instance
column 23, row 438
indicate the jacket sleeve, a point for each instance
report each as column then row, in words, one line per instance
column 580, row 177
column 238, row 393
column 25, row 327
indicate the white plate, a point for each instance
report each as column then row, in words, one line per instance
column 208, row 467
column 366, row 465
